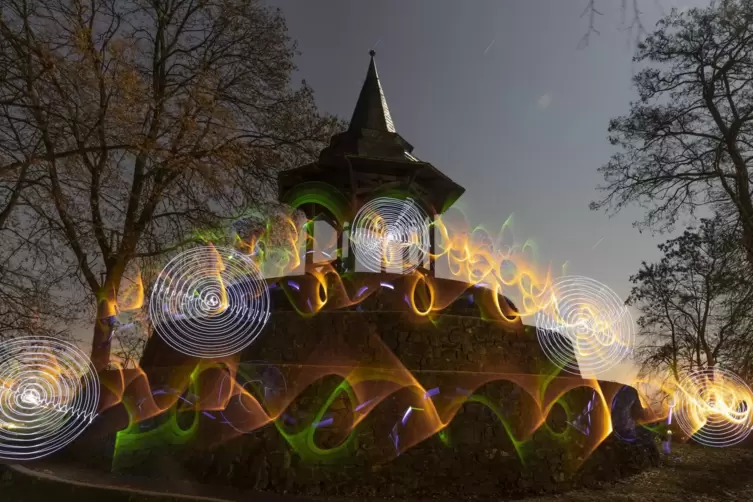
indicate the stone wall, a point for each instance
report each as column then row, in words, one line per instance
column 263, row 461
column 499, row 420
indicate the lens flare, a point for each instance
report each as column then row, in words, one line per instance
column 392, row 234
column 49, row 394
column 714, row 407
column 209, row 302
column 584, row 327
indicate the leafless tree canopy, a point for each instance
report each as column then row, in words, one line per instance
column 32, row 296
column 688, row 142
column 128, row 123
column 632, row 18
column 695, row 303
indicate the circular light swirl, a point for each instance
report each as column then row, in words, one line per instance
column 49, row 394
column 391, row 234
column 209, row 302
column 583, row 327
column 714, row 407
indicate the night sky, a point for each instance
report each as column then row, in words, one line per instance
column 521, row 122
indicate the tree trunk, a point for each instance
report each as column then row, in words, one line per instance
column 744, row 202
column 103, row 329
column 674, row 352
column 748, row 242
column 104, row 324
column 698, row 354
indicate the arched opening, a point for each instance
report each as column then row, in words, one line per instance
column 325, row 242
column 409, row 242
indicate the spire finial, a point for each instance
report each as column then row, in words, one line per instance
column 371, row 110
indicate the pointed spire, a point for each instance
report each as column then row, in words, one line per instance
column 371, row 108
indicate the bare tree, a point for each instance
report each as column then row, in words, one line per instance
column 632, row 18
column 688, row 142
column 31, row 282
column 695, row 303
column 145, row 119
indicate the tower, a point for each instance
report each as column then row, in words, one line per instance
column 370, row 159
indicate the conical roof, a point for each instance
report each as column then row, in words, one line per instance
column 369, row 156
column 371, row 110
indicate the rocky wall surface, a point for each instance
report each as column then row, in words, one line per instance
column 264, row 462
column 500, row 420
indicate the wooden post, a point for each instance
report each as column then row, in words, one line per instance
column 432, row 246
column 309, row 260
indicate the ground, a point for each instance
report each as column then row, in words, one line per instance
column 689, row 473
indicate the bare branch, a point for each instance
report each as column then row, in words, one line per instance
column 136, row 123
column 686, row 143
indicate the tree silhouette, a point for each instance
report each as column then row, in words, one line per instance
column 695, row 302
column 688, row 142
column 129, row 123
column 631, row 19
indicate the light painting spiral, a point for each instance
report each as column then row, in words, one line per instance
column 391, row 234
column 209, row 302
column 583, row 326
column 49, row 394
column 714, row 407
